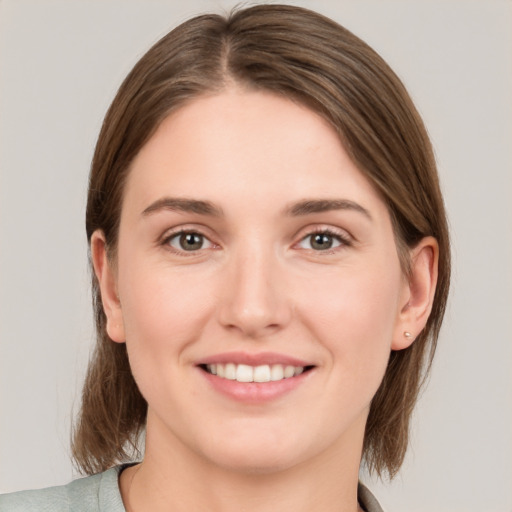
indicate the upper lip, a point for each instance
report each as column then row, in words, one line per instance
column 254, row 359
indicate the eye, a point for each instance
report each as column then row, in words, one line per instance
column 322, row 241
column 189, row 241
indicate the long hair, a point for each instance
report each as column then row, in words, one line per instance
column 308, row 58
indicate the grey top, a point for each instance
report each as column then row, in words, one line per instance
column 97, row 493
column 100, row 493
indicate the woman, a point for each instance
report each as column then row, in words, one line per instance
column 271, row 267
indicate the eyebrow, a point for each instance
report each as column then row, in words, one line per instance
column 301, row 208
column 183, row 205
column 310, row 206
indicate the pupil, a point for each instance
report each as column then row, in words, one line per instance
column 191, row 241
column 321, row 241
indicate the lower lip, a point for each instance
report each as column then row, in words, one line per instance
column 255, row 392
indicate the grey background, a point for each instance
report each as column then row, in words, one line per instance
column 60, row 65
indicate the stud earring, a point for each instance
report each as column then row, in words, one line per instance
column 407, row 334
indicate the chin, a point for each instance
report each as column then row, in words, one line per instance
column 259, row 462
column 257, row 453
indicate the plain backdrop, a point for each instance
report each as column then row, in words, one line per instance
column 61, row 62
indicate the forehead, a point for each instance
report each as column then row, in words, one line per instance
column 245, row 144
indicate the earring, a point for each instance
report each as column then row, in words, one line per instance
column 407, row 334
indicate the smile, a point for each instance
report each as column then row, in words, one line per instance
column 261, row 373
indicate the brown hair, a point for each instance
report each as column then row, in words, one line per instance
column 311, row 59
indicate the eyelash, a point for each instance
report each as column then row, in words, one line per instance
column 343, row 239
column 166, row 241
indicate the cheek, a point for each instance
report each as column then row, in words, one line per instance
column 352, row 311
column 163, row 308
column 163, row 314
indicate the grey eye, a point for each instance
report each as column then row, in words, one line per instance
column 320, row 241
column 189, row 242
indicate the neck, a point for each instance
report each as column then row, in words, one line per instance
column 177, row 479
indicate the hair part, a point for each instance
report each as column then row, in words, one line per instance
column 312, row 60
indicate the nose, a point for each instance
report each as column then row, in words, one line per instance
column 254, row 297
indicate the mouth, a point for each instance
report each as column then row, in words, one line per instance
column 262, row 373
column 255, row 378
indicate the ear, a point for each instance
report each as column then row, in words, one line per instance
column 417, row 294
column 108, row 286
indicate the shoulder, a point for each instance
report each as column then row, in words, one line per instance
column 52, row 498
column 93, row 493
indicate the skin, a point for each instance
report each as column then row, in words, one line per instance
column 256, row 284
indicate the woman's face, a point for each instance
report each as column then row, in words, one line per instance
column 251, row 247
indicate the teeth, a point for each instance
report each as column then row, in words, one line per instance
column 262, row 373
column 277, row 372
column 288, row 371
column 230, row 371
column 246, row 373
